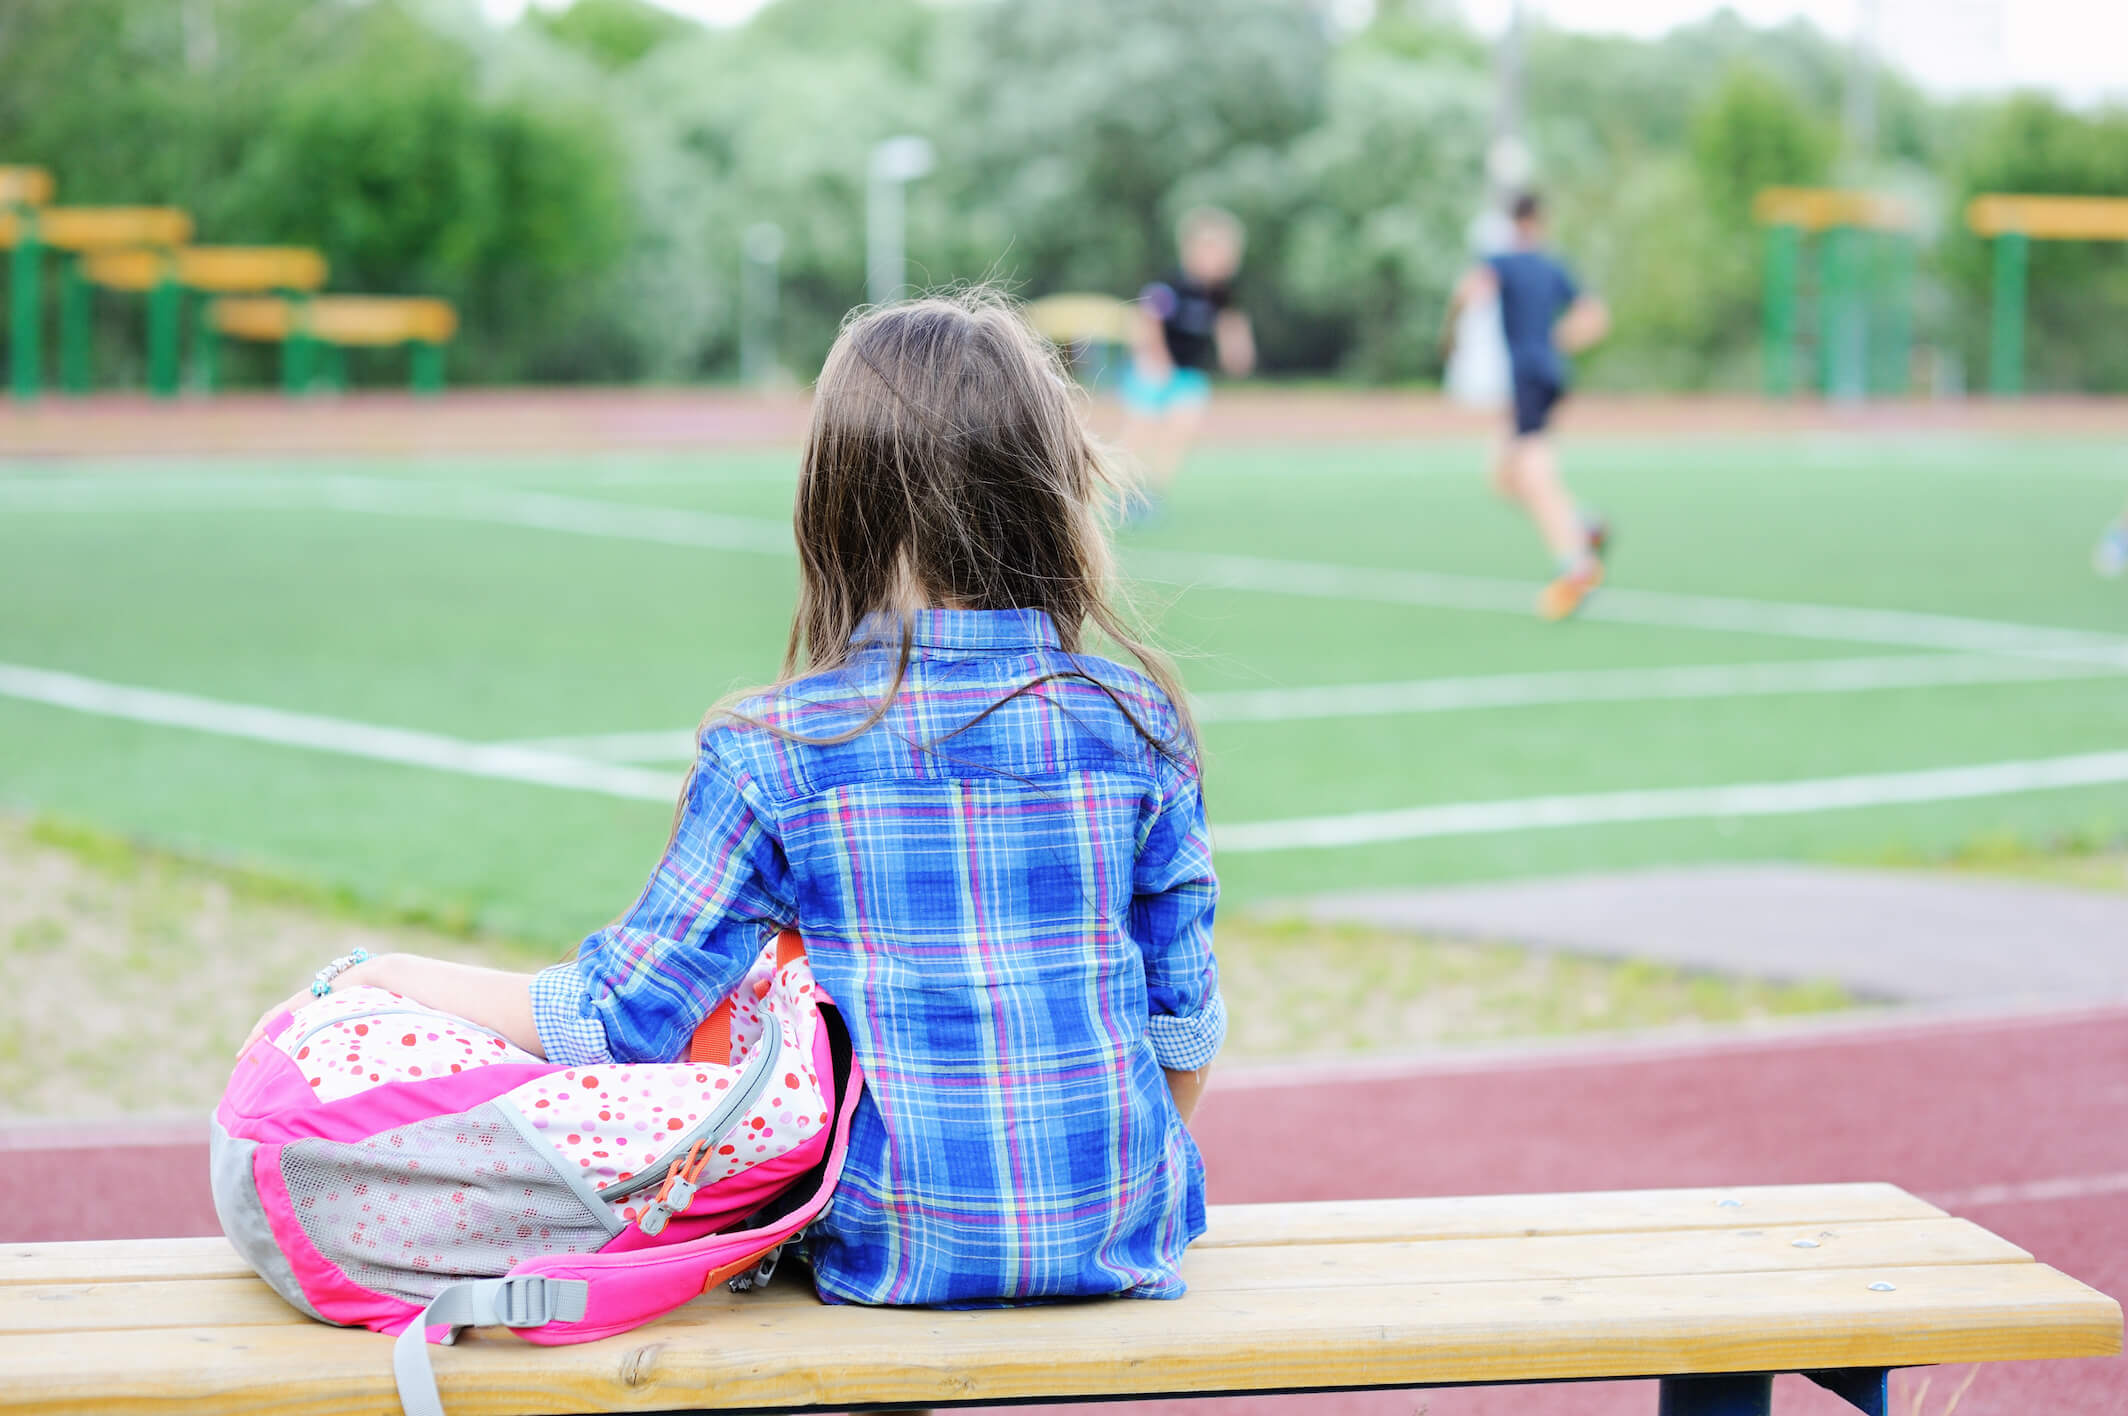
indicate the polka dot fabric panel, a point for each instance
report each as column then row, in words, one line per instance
column 612, row 1123
column 346, row 1043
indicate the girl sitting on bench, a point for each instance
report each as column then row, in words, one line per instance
column 992, row 841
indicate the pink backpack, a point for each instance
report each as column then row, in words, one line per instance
column 387, row 1166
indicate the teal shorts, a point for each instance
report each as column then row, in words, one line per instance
column 1182, row 388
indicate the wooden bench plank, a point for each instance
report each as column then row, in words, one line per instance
column 243, row 268
column 88, row 228
column 802, row 1355
column 120, row 1260
column 1591, row 1212
column 2050, row 218
column 1883, row 1244
column 1330, row 1222
column 380, row 319
column 337, row 319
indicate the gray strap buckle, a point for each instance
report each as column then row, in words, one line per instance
column 532, row 1300
column 525, row 1301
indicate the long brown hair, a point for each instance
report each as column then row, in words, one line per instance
column 948, row 463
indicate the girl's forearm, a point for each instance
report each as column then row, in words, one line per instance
column 492, row 998
column 1186, row 1088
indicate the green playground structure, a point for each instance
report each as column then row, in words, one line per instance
column 2012, row 222
column 246, row 292
column 314, row 333
column 169, row 277
column 1864, row 291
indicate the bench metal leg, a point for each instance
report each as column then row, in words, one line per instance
column 1742, row 1394
column 1867, row 1389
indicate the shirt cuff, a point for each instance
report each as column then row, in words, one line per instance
column 1189, row 1042
column 565, row 1034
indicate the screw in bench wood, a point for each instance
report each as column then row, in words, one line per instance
column 1804, row 1243
column 1730, row 1204
column 1880, row 1286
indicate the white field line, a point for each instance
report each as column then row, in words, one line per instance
column 1449, row 695
column 1437, row 590
column 506, row 762
column 337, row 735
column 1428, row 589
column 379, row 496
column 1473, row 818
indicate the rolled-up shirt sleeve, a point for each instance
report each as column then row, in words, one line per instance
column 637, row 989
column 1174, row 895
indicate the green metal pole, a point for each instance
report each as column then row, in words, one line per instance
column 1827, row 305
column 166, row 325
column 427, row 359
column 75, row 295
column 1783, row 253
column 25, row 292
column 2006, row 330
column 1892, row 348
column 298, row 350
column 206, row 347
column 1842, row 331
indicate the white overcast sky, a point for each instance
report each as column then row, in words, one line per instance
column 2078, row 48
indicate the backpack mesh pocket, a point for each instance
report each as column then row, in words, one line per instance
column 410, row 1211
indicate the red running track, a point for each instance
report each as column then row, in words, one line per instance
column 2020, row 1124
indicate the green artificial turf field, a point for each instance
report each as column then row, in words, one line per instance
column 549, row 601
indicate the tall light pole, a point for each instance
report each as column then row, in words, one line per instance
column 1477, row 371
column 1861, row 97
column 895, row 163
column 1507, row 156
column 760, row 248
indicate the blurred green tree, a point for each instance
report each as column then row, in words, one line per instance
column 2077, row 291
column 612, row 33
column 1082, row 122
column 390, row 160
column 361, row 129
column 1371, row 216
column 580, row 182
column 1755, row 132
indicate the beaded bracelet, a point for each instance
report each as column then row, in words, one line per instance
column 322, row 984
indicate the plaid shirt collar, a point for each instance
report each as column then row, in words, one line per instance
column 968, row 631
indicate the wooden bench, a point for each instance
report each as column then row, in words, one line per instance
column 166, row 275
column 330, row 323
column 1710, row 1290
column 28, row 229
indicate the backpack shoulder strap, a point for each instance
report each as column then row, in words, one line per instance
column 712, row 1040
column 521, row 1301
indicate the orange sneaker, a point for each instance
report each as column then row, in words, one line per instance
column 1564, row 596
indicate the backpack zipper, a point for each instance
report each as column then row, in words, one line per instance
column 403, row 1009
column 712, row 1128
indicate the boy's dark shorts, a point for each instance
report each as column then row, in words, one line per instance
column 1536, row 394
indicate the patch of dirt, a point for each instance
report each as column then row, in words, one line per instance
column 127, row 981
column 128, row 977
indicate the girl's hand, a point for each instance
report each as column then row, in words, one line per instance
column 493, row 999
column 367, row 972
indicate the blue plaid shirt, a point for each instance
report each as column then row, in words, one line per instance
column 1013, row 911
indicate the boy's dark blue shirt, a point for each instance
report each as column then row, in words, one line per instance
column 1535, row 290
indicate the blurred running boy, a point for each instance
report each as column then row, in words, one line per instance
column 1545, row 316
column 1184, row 323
